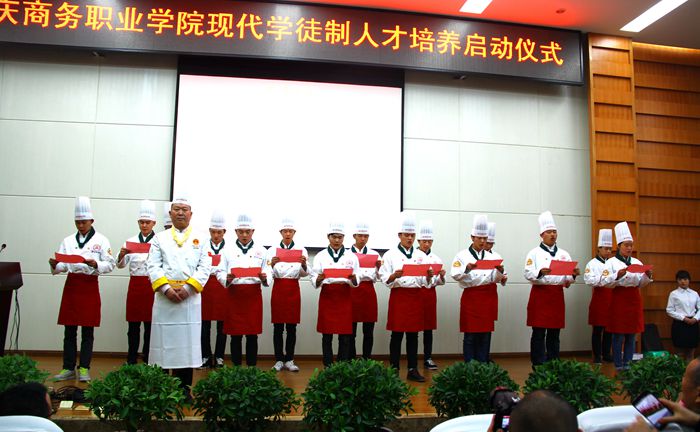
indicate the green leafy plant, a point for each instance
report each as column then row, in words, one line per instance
column 465, row 388
column 18, row 369
column 660, row 375
column 136, row 395
column 584, row 387
column 242, row 399
column 359, row 395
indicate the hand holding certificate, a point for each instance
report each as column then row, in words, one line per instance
column 367, row 261
column 288, row 255
column 69, row 259
column 639, row 268
column 487, row 264
column 415, row 270
column 562, row 268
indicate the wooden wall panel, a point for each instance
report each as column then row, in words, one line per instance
column 668, row 211
column 677, row 130
column 666, row 265
column 666, row 76
column 668, row 239
column 663, row 183
column 668, row 156
column 613, row 147
column 667, row 103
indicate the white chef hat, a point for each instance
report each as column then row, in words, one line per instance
column 181, row 198
column 218, row 220
column 480, row 226
column 491, row 238
column 361, row 228
column 287, row 223
column 166, row 210
column 546, row 221
column 425, row 230
column 83, row 210
column 623, row 233
column 336, row 227
column 244, row 221
column 605, row 237
column 147, row 211
column 408, row 222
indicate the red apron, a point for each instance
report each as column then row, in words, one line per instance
column 139, row 299
column 285, row 301
column 213, row 300
column 405, row 310
column 429, row 308
column 80, row 303
column 493, row 289
column 334, row 309
column 545, row 308
column 364, row 302
column 599, row 308
column 626, row 311
column 476, row 309
column 243, row 310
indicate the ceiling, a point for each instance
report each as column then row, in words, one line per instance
column 680, row 28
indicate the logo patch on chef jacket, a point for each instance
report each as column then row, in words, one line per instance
column 109, row 251
column 605, row 272
column 195, row 243
column 588, row 270
column 456, row 264
column 96, row 248
column 529, row 261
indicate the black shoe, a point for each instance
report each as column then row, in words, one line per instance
column 430, row 364
column 414, row 375
column 608, row 359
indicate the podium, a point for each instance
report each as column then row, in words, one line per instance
column 10, row 280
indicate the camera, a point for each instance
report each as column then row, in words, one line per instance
column 503, row 400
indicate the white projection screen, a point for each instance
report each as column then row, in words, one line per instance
column 271, row 148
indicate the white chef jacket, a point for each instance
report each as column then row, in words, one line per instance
column 432, row 258
column 366, row 274
column 285, row 270
column 233, row 257
column 683, row 303
column 137, row 262
column 97, row 248
column 176, row 327
column 215, row 269
column 393, row 260
column 593, row 274
column 613, row 265
column 323, row 260
column 467, row 279
column 538, row 259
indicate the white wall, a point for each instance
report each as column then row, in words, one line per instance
column 73, row 124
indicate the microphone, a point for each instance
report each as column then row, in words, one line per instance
column 2, row 248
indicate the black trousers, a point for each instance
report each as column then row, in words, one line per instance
column 185, row 376
column 367, row 340
column 251, row 350
column 70, row 346
column 344, row 342
column 544, row 345
column 411, row 349
column 133, row 336
column 284, row 352
column 601, row 342
column 427, row 344
column 477, row 346
column 219, row 345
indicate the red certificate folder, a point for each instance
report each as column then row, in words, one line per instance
column 562, row 268
column 134, row 247
column 215, row 260
column 337, row 273
column 241, row 272
column 488, row 264
column 638, row 268
column 436, row 268
column 288, row 255
column 415, row 269
column 69, row 259
column 367, row 261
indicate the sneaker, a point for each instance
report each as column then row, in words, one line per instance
column 219, row 362
column 83, row 374
column 290, row 366
column 430, row 364
column 414, row 375
column 205, row 363
column 278, row 366
column 64, row 375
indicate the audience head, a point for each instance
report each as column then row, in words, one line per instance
column 690, row 386
column 30, row 399
column 543, row 411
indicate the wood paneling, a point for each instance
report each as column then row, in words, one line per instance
column 666, row 265
column 665, row 54
column 669, row 239
column 666, row 76
column 667, row 103
column 668, row 129
column 676, row 184
column 668, row 211
column 668, row 156
column 613, row 147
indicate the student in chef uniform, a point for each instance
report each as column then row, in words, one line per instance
column 244, row 296
column 425, row 244
column 214, row 296
column 335, row 301
column 80, row 303
column 178, row 267
column 285, row 300
column 626, row 312
column 545, row 308
column 364, row 297
column 684, row 307
column 167, row 222
column 599, row 307
column 476, row 315
column 406, row 308
column 139, row 296
column 491, row 254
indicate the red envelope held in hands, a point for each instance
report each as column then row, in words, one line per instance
column 288, row 255
column 215, row 260
column 241, row 272
column 337, row 273
column 367, row 261
column 488, row 264
column 415, row 270
column 639, row 268
column 562, row 268
column 134, row 247
column 436, row 268
column 69, row 259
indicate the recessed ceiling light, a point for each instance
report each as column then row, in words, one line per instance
column 475, row 6
column 651, row 15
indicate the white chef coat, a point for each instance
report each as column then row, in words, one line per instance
column 97, row 248
column 136, row 262
column 233, row 257
column 432, row 258
column 614, row 264
column 593, row 274
column 366, row 274
column 467, row 279
column 323, row 260
column 393, row 260
column 285, row 270
column 538, row 259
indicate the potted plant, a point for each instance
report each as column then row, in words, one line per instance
column 136, row 395
column 584, row 387
column 465, row 388
column 359, row 395
column 242, row 399
column 18, row 369
column 660, row 375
